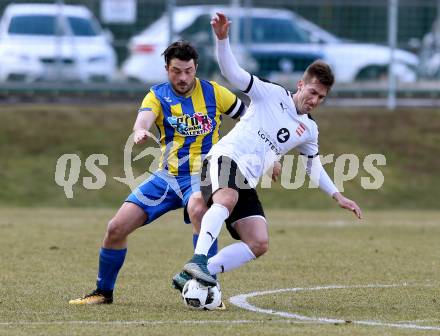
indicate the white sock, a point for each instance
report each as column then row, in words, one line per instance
column 230, row 257
column 212, row 223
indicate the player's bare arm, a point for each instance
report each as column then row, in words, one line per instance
column 142, row 125
column 276, row 171
column 348, row 204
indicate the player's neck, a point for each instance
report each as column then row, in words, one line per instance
column 295, row 102
column 192, row 89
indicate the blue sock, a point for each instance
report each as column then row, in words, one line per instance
column 110, row 262
column 212, row 251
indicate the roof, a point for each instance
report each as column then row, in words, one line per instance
column 47, row 9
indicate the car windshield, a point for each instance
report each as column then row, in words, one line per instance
column 45, row 25
column 82, row 27
column 271, row 30
column 32, row 25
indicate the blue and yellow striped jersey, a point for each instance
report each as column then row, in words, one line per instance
column 189, row 126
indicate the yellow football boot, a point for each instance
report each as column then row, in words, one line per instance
column 95, row 297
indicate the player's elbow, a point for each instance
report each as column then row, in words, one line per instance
column 223, row 72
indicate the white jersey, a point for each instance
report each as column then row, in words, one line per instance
column 269, row 129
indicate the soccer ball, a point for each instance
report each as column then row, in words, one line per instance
column 214, row 298
column 195, row 295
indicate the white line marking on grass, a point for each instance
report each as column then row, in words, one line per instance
column 150, row 322
column 241, row 301
column 421, row 321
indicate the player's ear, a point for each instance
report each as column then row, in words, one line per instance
column 300, row 84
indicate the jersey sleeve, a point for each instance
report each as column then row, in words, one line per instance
column 151, row 103
column 310, row 158
column 318, row 175
column 229, row 66
column 310, row 148
column 260, row 89
column 250, row 84
column 227, row 102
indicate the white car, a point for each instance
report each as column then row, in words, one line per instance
column 359, row 61
column 279, row 42
column 53, row 42
column 430, row 53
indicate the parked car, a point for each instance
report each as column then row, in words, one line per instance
column 53, row 42
column 354, row 61
column 264, row 53
column 270, row 43
column 430, row 53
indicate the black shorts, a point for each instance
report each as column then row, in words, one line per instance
column 222, row 172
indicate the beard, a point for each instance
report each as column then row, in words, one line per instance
column 182, row 88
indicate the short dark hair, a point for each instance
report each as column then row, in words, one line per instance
column 321, row 71
column 182, row 50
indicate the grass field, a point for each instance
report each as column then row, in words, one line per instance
column 325, row 273
column 50, row 255
column 34, row 136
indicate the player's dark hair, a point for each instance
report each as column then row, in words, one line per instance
column 321, row 71
column 182, row 50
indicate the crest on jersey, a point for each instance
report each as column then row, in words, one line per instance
column 283, row 135
column 196, row 124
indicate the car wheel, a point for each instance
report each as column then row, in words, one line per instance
column 132, row 79
column 373, row 72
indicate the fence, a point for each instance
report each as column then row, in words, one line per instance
column 362, row 40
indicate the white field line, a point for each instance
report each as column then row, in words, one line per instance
column 421, row 321
column 149, row 322
column 241, row 301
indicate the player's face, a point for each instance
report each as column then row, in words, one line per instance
column 181, row 75
column 310, row 95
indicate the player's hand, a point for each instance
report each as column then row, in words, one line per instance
column 348, row 204
column 276, row 171
column 220, row 24
column 140, row 136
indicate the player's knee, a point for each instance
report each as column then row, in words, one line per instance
column 228, row 200
column 115, row 230
column 259, row 246
column 196, row 212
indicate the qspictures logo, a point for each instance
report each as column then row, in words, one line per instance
column 294, row 169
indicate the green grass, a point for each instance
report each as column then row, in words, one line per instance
column 33, row 137
column 50, row 256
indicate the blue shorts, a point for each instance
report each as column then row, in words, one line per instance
column 163, row 192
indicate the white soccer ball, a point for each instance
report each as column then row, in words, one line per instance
column 195, row 295
column 214, row 298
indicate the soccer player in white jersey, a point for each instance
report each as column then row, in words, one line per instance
column 276, row 121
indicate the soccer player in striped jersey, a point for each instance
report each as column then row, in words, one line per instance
column 276, row 121
column 187, row 112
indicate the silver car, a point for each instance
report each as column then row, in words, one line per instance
column 53, row 42
column 273, row 43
